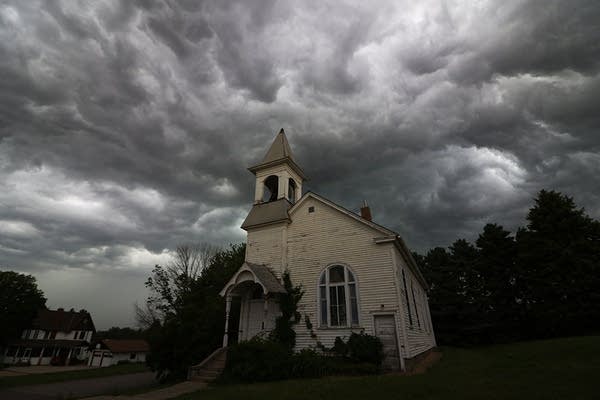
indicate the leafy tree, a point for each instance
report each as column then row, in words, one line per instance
column 20, row 300
column 116, row 332
column 192, row 312
column 171, row 285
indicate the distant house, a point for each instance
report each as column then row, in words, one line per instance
column 56, row 337
column 109, row 352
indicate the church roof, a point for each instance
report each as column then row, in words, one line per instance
column 260, row 274
column 280, row 148
column 280, row 151
column 266, row 278
column 267, row 213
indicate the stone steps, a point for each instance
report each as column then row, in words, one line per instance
column 209, row 369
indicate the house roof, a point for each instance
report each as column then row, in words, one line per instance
column 64, row 321
column 126, row 345
column 267, row 213
column 279, row 152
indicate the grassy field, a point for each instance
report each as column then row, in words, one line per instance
column 552, row 369
column 36, row 379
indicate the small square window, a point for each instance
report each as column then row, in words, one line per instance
column 311, row 209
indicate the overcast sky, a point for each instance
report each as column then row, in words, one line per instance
column 127, row 127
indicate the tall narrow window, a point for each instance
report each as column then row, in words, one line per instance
column 271, row 188
column 410, row 321
column 292, row 191
column 412, row 288
column 338, row 301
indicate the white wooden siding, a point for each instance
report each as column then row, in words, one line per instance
column 419, row 338
column 312, row 242
column 265, row 246
column 324, row 237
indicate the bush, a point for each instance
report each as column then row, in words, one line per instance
column 363, row 348
column 308, row 363
column 339, row 347
column 260, row 360
column 257, row 360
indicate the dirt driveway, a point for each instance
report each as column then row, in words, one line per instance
column 79, row 388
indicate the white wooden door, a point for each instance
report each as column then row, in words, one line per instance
column 255, row 318
column 385, row 330
column 258, row 322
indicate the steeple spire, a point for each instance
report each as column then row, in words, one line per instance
column 280, row 152
column 280, row 148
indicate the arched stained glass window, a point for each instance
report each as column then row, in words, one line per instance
column 338, row 302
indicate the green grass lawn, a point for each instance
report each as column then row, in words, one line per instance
column 36, row 379
column 551, row 369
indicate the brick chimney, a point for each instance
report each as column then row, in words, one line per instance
column 365, row 211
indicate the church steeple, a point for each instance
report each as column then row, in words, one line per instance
column 278, row 176
column 280, row 148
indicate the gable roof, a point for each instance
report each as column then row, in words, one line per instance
column 343, row 210
column 279, row 152
column 64, row 321
column 126, row 345
column 266, row 278
column 389, row 235
column 260, row 274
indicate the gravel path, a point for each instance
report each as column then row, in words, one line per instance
column 79, row 388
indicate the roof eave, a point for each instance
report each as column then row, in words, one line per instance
column 254, row 169
column 279, row 221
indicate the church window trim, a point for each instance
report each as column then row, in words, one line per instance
column 337, row 297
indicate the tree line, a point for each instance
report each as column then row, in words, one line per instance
column 544, row 281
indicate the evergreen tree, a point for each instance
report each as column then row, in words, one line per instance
column 543, row 282
column 559, row 267
column 496, row 270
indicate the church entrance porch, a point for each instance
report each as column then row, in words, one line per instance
column 256, row 290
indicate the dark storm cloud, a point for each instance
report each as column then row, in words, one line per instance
column 126, row 127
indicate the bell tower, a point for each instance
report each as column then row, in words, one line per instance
column 278, row 176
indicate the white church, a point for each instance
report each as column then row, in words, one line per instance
column 358, row 276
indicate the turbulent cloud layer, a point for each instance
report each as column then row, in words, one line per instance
column 126, row 127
